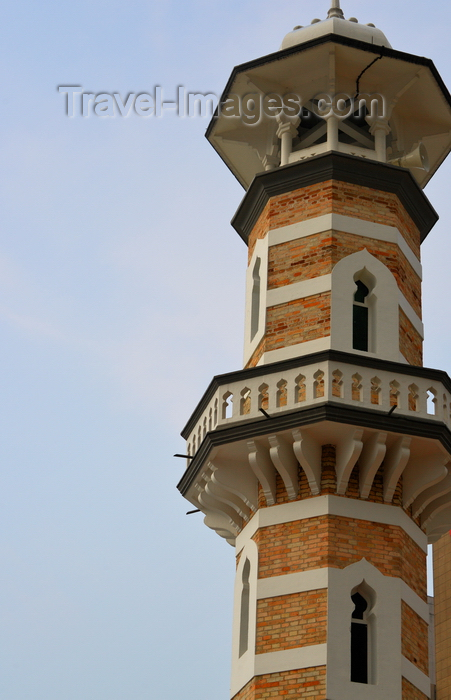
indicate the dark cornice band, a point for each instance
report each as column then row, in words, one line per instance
column 343, row 168
column 337, row 413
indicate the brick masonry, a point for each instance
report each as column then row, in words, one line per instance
column 442, row 601
column 414, row 638
column 291, row 621
column 298, row 321
column 410, row 692
column 340, row 198
column 299, row 260
column 308, row 683
column 300, row 619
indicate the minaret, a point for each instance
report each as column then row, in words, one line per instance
column 325, row 461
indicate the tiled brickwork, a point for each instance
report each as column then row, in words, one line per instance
column 308, row 683
column 336, row 541
column 442, row 602
column 290, row 621
column 339, row 198
column 410, row 692
column 410, row 342
column 414, row 638
column 316, row 255
column 298, row 321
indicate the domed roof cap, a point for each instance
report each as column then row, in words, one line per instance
column 336, row 24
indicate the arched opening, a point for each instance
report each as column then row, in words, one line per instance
column 244, row 609
column 360, row 317
column 365, row 321
column 361, row 635
column 255, row 300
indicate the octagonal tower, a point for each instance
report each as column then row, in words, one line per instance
column 325, row 461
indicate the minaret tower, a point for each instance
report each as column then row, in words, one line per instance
column 326, row 461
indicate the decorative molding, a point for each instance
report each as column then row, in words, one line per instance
column 348, row 450
column 430, row 495
column 308, row 454
column 285, row 462
column 262, row 466
column 395, row 463
column 343, row 168
column 370, row 460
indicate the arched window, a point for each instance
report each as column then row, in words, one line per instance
column 360, row 317
column 359, row 639
column 244, row 611
column 255, row 301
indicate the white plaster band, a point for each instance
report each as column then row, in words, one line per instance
column 413, row 674
column 298, row 582
column 345, row 224
column 332, row 505
column 320, row 285
column 318, row 579
column 413, row 317
column 415, row 602
column 299, row 290
column 291, row 659
column 310, row 346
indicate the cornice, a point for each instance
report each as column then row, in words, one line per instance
column 340, row 167
column 327, row 411
column 336, row 39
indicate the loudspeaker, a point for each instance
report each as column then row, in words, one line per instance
column 418, row 158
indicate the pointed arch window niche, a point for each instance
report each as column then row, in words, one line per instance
column 255, row 299
column 362, row 633
column 244, row 612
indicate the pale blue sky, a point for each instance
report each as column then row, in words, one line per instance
column 121, row 294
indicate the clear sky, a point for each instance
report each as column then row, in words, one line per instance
column 121, row 295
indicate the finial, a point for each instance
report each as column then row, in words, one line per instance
column 335, row 10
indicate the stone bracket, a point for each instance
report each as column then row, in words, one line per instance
column 308, row 454
column 263, row 468
column 395, row 462
column 347, row 453
column 286, row 464
column 370, row 460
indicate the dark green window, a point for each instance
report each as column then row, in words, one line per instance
column 360, row 315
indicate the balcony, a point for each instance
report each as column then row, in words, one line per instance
column 255, row 424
